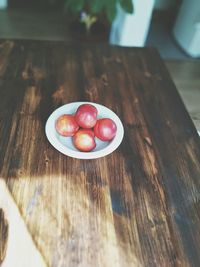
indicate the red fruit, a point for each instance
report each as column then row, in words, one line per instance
column 86, row 116
column 105, row 129
column 89, row 131
column 66, row 125
column 84, row 141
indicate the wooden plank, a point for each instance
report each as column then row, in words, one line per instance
column 138, row 206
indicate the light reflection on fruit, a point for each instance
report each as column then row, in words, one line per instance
column 84, row 141
column 105, row 129
column 84, row 127
column 86, row 116
column 66, row 125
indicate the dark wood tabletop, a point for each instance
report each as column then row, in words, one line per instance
column 140, row 205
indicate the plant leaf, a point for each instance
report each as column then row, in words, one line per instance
column 127, row 5
column 111, row 9
column 96, row 6
column 75, row 5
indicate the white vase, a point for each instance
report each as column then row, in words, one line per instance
column 132, row 29
column 187, row 27
column 163, row 4
column 3, row 4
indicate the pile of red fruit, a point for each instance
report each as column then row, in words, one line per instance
column 84, row 126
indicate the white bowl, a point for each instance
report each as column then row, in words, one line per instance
column 65, row 144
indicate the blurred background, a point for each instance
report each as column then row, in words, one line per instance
column 172, row 26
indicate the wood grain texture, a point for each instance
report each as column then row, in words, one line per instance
column 138, row 206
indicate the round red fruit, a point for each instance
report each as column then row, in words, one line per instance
column 105, row 129
column 86, row 116
column 84, row 141
column 66, row 125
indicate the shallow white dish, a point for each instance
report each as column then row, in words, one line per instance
column 65, row 145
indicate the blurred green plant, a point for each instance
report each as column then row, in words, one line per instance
column 90, row 9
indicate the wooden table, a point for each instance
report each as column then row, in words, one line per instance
column 140, row 205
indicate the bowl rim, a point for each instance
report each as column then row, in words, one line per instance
column 51, row 132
